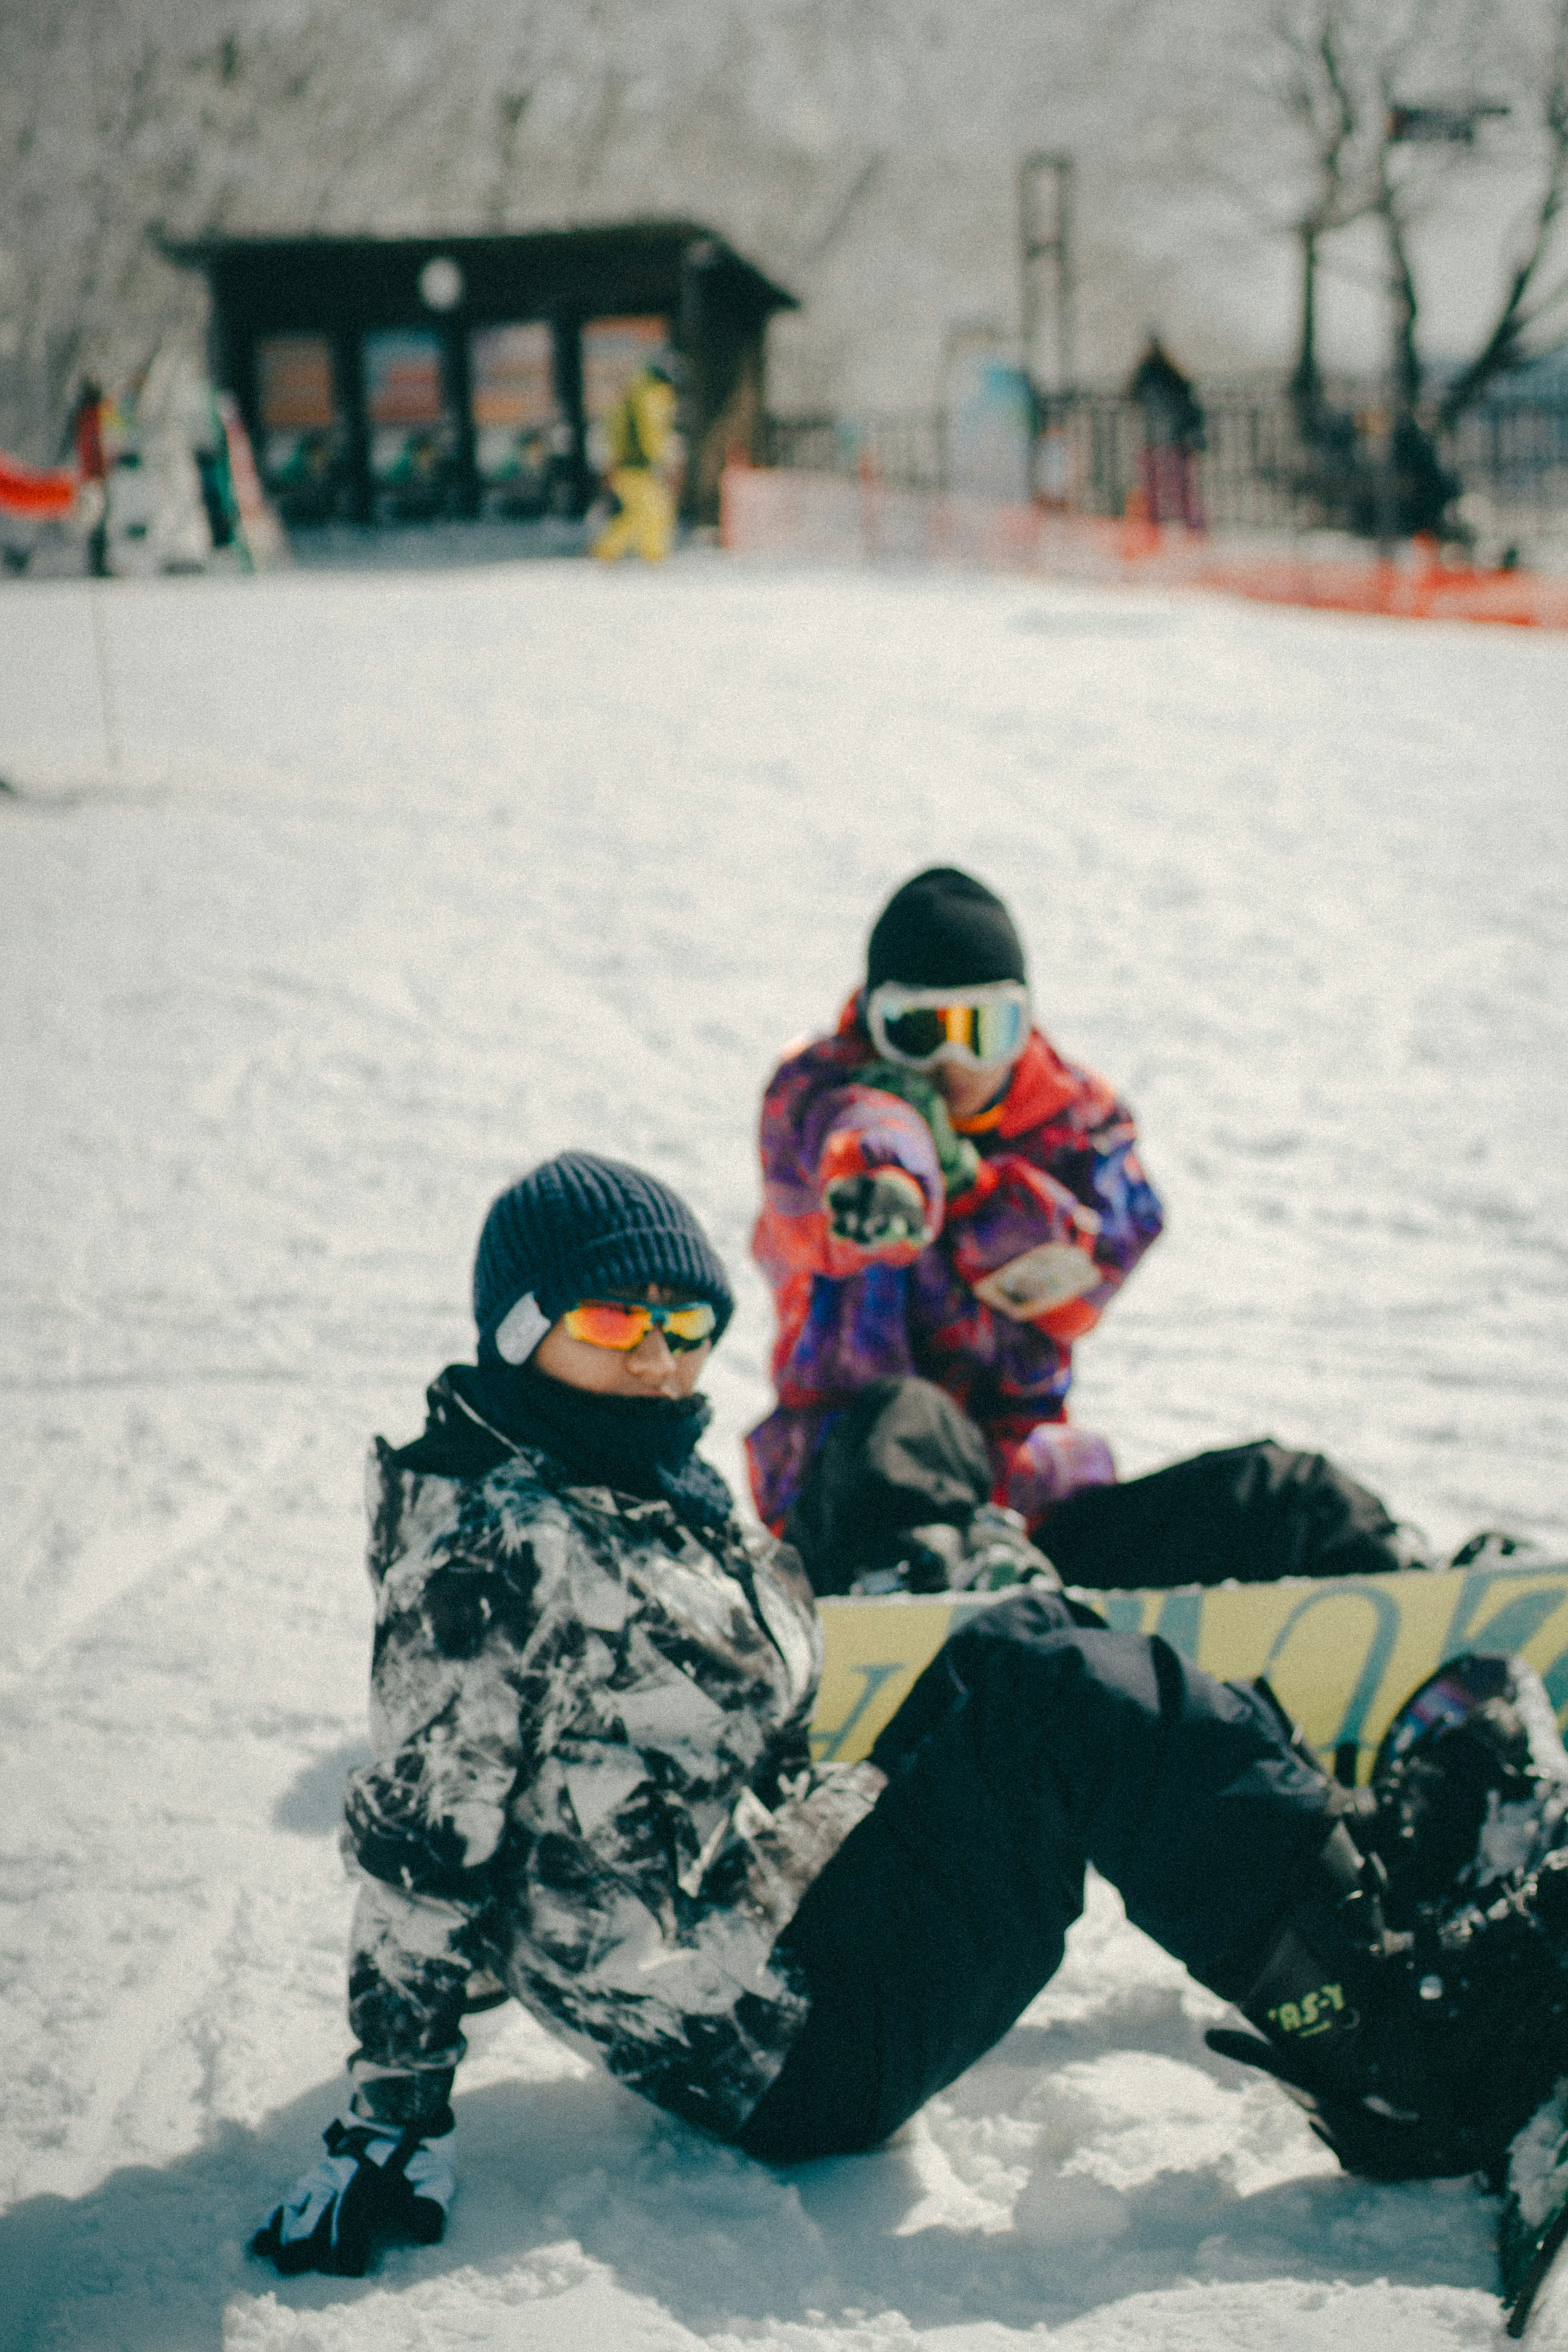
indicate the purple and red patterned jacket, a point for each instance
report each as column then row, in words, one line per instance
column 1018, row 1266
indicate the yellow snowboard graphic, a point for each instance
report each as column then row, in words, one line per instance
column 1340, row 1652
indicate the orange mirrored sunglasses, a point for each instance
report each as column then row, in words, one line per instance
column 616, row 1323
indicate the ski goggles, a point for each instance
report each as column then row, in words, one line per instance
column 614, row 1323
column 920, row 1027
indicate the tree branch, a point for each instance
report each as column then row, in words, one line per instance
column 1502, row 349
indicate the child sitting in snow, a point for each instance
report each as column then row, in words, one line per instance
column 949, row 1206
column 593, row 1789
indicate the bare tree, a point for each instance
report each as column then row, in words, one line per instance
column 1397, row 203
column 1338, row 70
column 1522, row 307
column 1344, row 74
column 1311, row 82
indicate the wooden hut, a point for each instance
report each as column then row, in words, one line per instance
column 395, row 378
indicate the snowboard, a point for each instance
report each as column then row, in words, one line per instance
column 1342, row 1653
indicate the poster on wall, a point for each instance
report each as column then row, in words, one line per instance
column 613, row 349
column 303, row 443
column 521, row 435
column 414, row 434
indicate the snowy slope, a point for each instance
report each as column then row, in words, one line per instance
column 397, row 882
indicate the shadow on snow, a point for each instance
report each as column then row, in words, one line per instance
column 149, row 2258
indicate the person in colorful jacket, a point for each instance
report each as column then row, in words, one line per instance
column 948, row 1206
column 943, row 1196
column 592, row 1789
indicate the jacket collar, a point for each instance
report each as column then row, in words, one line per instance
column 446, row 1388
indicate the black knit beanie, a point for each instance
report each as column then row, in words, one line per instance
column 575, row 1228
column 944, row 929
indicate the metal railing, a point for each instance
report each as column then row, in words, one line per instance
column 1265, row 465
column 1515, row 453
column 906, row 452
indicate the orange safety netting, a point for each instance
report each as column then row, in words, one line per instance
column 35, row 493
column 770, row 511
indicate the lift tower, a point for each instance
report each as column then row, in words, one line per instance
column 1045, row 245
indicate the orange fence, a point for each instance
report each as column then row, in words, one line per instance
column 34, row 494
column 769, row 511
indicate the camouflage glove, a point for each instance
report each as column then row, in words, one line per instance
column 956, row 1155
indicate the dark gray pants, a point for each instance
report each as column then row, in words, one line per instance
column 902, row 1453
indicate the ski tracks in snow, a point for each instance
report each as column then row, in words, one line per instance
column 110, row 1565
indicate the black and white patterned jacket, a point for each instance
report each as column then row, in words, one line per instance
column 591, row 1776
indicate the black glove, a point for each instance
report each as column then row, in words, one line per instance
column 375, row 2182
column 887, row 1206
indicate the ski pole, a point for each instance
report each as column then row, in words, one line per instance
column 105, row 686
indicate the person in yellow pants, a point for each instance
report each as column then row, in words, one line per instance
column 641, row 426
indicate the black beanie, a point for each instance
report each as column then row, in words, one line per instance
column 580, row 1226
column 944, row 929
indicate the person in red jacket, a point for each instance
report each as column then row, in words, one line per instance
column 949, row 1206
column 945, row 1197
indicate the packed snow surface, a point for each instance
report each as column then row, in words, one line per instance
column 329, row 902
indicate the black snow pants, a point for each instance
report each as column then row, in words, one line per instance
column 1029, row 1747
column 903, row 1454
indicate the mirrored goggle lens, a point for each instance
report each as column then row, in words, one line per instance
column 607, row 1323
column 991, row 1033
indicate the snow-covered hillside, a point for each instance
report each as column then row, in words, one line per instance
column 398, row 883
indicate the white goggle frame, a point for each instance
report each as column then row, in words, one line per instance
column 893, row 999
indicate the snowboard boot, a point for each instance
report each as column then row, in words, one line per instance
column 1325, row 2000
column 984, row 1553
column 1411, row 1547
column 1418, row 2054
column 1469, row 1786
column 1494, row 1548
